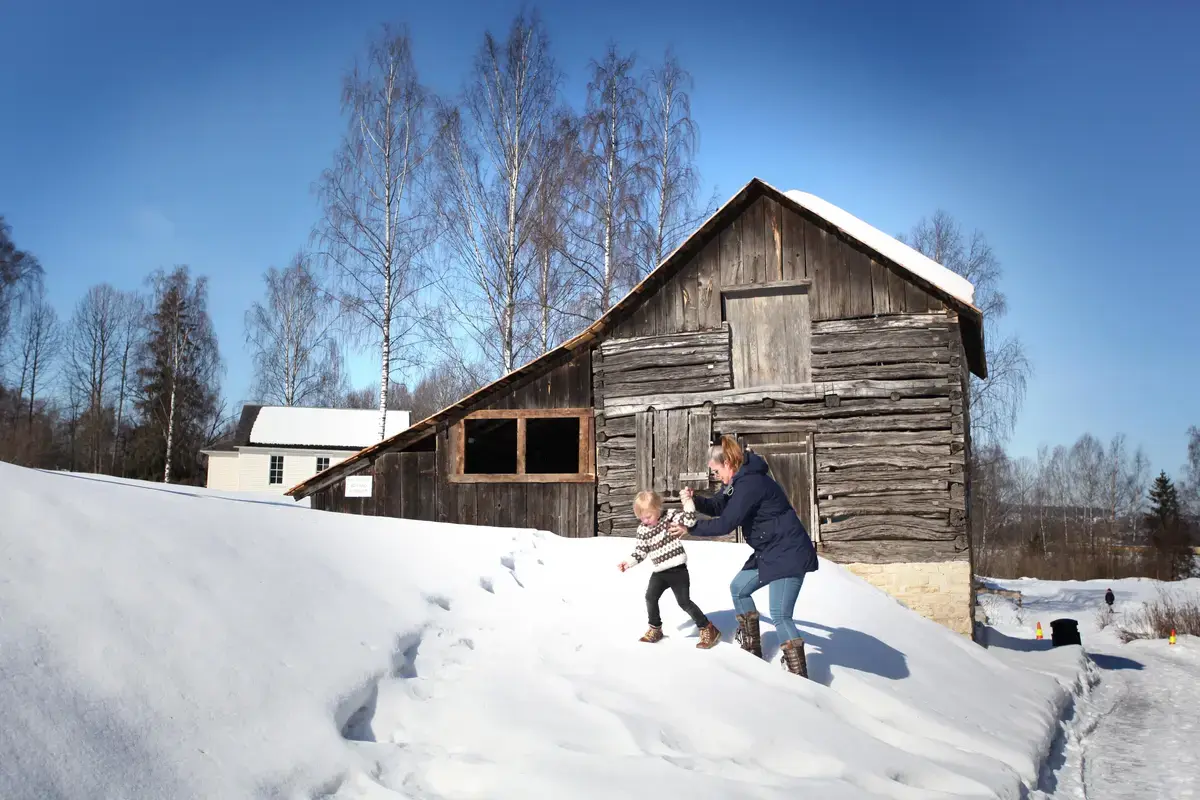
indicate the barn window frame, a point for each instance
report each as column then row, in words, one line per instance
column 587, row 447
column 327, row 461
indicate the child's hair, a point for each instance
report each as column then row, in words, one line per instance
column 727, row 451
column 647, row 501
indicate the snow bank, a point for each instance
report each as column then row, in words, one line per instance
column 915, row 262
column 323, row 427
column 161, row 644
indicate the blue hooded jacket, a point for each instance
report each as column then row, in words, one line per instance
column 756, row 503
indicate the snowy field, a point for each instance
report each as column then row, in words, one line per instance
column 158, row 642
column 1135, row 731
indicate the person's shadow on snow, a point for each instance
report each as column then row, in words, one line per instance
column 825, row 647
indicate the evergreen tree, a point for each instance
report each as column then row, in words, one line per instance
column 1168, row 530
column 178, row 376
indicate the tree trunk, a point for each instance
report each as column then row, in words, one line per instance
column 120, row 409
column 610, row 205
column 171, row 410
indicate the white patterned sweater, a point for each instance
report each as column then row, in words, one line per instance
column 659, row 544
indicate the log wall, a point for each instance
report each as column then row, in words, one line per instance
column 888, row 426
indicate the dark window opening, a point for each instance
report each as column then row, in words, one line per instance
column 322, row 463
column 552, row 446
column 491, row 447
column 426, row 445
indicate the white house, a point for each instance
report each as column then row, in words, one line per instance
column 275, row 447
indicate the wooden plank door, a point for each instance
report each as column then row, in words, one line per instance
column 672, row 450
column 771, row 336
column 791, row 464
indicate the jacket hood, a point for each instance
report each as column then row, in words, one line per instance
column 755, row 465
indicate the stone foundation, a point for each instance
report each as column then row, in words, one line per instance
column 941, row 591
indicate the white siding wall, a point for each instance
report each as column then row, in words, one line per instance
column 297, row 468
column 223, row 472
column 252, row 467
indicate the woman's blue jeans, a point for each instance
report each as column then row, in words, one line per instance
column 782, row 600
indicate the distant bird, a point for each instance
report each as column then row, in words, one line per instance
column 1109, row 598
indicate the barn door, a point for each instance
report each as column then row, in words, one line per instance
column 792, row 466
column 771, row 330
column 672, row 449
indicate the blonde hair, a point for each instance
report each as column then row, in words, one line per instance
column 727, row 452
column 647, row 501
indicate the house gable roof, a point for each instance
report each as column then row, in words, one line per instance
column 929, row 275
column 340, row 428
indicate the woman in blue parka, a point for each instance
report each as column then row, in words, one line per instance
column 783, row 552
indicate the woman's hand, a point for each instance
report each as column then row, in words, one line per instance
column 624, row 565
column 677, row 530
column 686, row 493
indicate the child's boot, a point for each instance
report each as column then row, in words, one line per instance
column 653, row 635
column 709, row 637
column 748, row 635
column 793, row 657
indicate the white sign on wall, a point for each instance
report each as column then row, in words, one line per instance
column 358, row 486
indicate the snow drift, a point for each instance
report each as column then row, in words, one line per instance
column 159, row 643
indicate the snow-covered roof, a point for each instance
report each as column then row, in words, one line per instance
column 922, row 266
column 323, row 427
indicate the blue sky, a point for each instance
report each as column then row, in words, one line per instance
column 144, row 134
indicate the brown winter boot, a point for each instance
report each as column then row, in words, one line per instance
column 748, row 636
column 709, row 637
column 653, row 635
column 793, row 657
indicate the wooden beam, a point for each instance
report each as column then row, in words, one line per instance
column 526, row 478
column 521, row 444
column 527, row 413
column 796, row 393
column 768, row 288
column 879, row 324
column 893, row 552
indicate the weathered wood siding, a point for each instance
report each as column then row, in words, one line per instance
column 568, row 509
column 413, row 485
column 769, row 243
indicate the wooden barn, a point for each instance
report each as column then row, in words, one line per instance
column 835, row 351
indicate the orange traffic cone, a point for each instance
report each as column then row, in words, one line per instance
column 1039, row 630
column 1172, row 639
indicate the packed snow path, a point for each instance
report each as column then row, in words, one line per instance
column 1135, row 733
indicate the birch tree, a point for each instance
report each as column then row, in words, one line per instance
column 39, row 338
column 179, row 372
column 670, row 151
column 92, row 359
column 20, row 275
column 131, row 330
column 496, row 158
column 376, row 229
column 292, row 341
column 1191, row 473
column 995, row 401
column 556, row 310
column 607, row 215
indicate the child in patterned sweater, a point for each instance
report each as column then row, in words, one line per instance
column 669, row 563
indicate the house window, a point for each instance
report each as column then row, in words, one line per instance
column 524, row 446
column 322, row 463
column 275, row 473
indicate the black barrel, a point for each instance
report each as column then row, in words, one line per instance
column 1064, row 631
